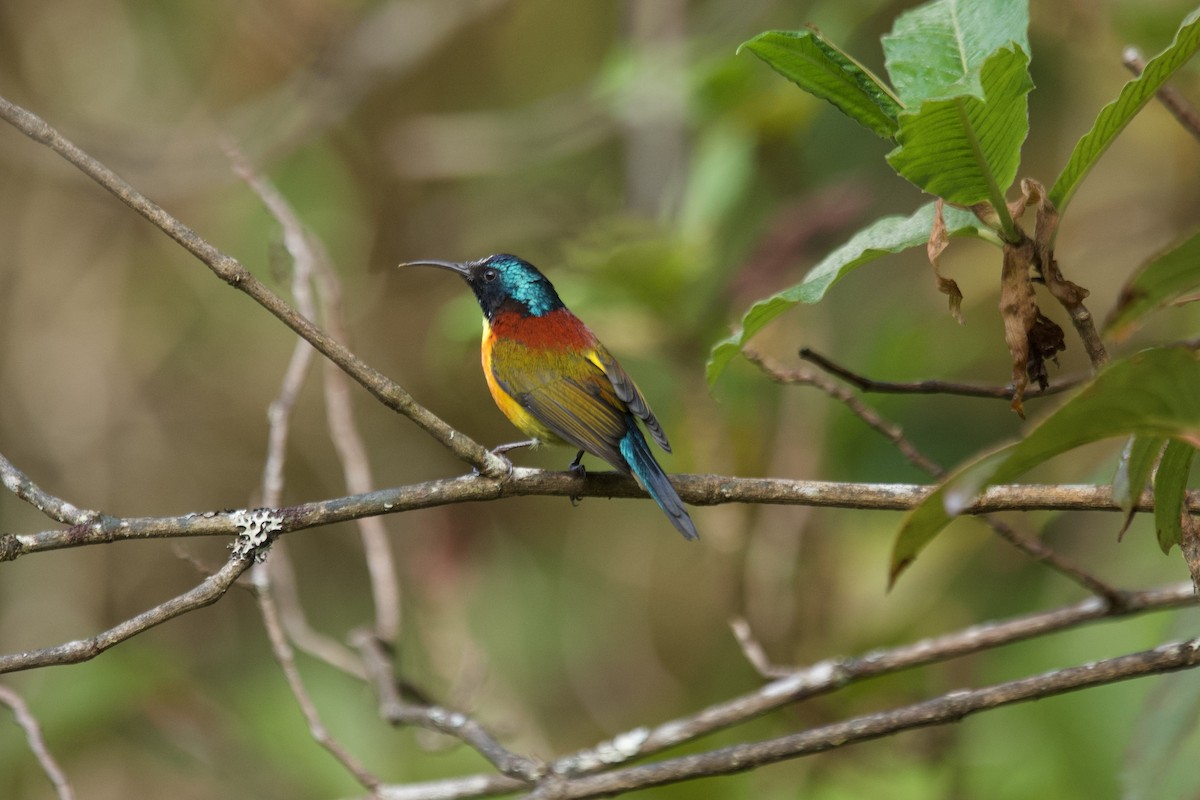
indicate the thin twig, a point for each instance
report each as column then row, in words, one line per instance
column 339, row 411
column 1168, row 95
column 356, row 466
column 1036, row 549
column 286, row 658
column 890, row 431
column 295, row 622
column 931, row 386
column 394, row 710
column 53, row 507
column 37, row 744
column 754, row 652
column 206, row 593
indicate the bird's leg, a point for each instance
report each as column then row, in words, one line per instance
column 501, row 449
column 578, row 470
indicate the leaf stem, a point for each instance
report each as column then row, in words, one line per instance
column 1008, row 228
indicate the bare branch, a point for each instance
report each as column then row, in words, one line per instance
column 206, row 593
column 700, row 490
column 453, row 788
column 1036, row 549
column 931, row 386
column 285, row 656
column 53, row 507
column 37, row 744
column 1190, row 545
column 312, row 267
column 890, row 431
column 343, row 429
column 754, row 652
column 396, row 711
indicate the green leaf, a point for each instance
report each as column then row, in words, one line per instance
column 1155, row 393
column 966, row 148
column 1116, row 115
column 938, row 49
column 1170, row 483
column 819, row 67
column 1133, row 472
column 887, row 235
column 1165, row 278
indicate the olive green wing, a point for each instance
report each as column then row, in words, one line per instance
column 569, row 393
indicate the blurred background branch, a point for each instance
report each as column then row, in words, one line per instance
column 37, row 744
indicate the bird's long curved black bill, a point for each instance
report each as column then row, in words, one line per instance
column 453, row 266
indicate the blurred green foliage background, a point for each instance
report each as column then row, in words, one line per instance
column 663, row 183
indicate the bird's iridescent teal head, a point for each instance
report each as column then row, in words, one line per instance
column 503, row 281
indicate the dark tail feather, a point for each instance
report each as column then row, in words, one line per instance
column 641, row 462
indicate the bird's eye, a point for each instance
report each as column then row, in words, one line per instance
column 490, row 275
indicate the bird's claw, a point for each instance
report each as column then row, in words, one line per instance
column 579, row 471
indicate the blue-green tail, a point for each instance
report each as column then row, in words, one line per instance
column 643, row 466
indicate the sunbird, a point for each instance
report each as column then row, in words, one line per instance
column 553, row 379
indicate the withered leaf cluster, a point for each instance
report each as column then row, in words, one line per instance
column 1032, row 338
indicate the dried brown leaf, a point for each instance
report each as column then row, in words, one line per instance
column 1046, row 341
column 1018, row 309
column 1190, row 545
column 939, row 240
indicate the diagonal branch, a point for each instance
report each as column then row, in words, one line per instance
column 232, row 272
column 1179, row 106
column 285, row 656
column 206, row 593
column 37, row 744
column 869, row 416
column 394, row 710
column 53, row 507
